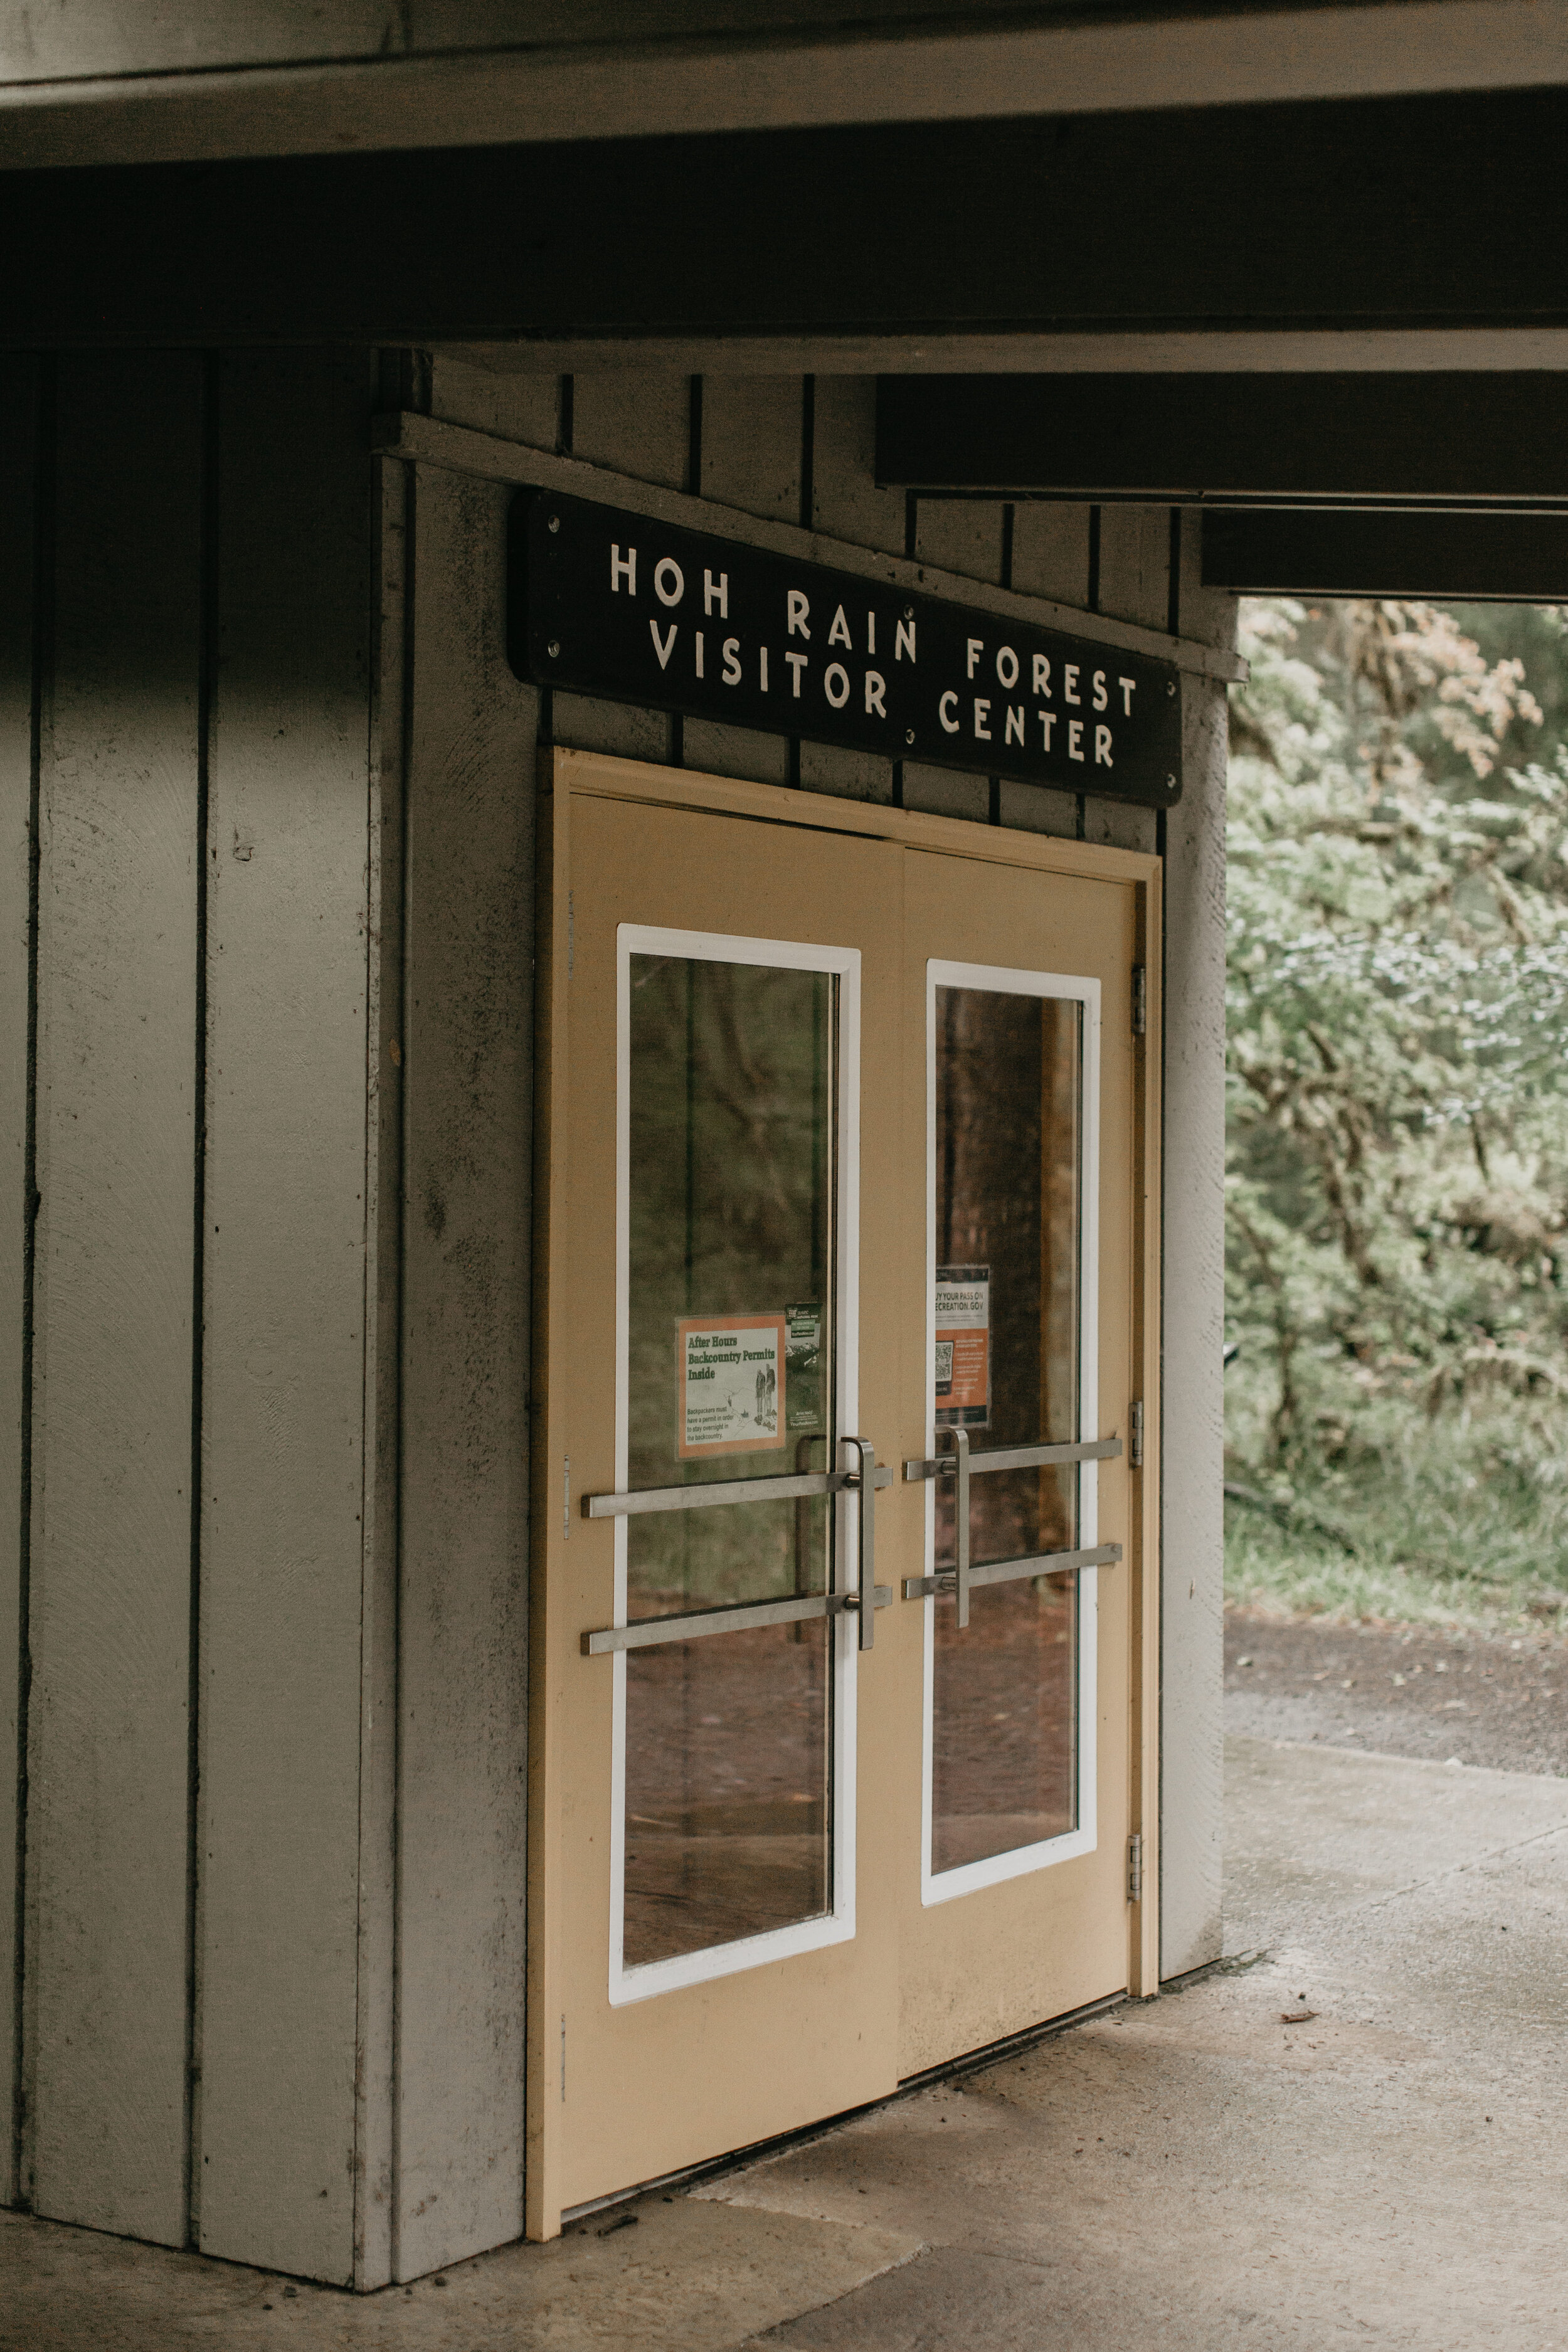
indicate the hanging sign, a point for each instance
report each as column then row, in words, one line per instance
column 731, row 1372
column 964, row 1346
column 609, row 603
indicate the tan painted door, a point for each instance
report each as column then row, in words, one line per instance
column 841, row 1175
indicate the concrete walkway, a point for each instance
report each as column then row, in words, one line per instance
column 1189, row 2173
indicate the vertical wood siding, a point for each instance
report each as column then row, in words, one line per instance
column 1192, row 1439
column 20, row 423
column 462, row 1792
column 281, row 922
column 284, row 1285
column 117, row 1120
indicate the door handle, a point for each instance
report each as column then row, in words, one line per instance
column 960, row 1447
column 869, row 1595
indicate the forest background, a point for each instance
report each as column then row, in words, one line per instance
column 1397, row 1092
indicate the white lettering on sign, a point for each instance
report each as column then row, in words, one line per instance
column 985, row 673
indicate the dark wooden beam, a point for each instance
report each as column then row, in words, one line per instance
column 1258, row 550
column 1422, row 437
column 1447, row 213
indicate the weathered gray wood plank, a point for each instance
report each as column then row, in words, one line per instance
column 19, row 458
column 285, row 1316
column 514, row 408
column 108, row 1849
column 847, row 501
column 1050, row 558
column 638, row 422
column 463, row 1687
column 750, row 452
column 964, row 536
column 375, row 2125
column 1193, row 1436
column 1134, row 585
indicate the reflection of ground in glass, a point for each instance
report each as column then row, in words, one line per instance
column 1005, row 1719
column 1004, row 1767
column 727, row 1752
column 729, row 1220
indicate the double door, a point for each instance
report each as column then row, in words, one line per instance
column 840, row 1688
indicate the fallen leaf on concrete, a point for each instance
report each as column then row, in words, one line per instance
column 1296, row 2016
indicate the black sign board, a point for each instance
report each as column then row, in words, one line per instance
column 614, row 603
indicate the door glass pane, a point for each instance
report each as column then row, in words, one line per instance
column 731, row 1372
column 1008, row 1152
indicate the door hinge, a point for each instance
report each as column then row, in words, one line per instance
column 1135, row 1867
column 1135, row 1436
column 1139, row 999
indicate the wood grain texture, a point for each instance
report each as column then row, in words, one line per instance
column 640, row 423
column 514, row 408
column 1191, row 1827
column 846, row 500
column 284, row 1455
column 1050, row 558
column 112, row 1367
column 637, row 420
column 964, row 536
column 19, row 489
column 376, row 2063
column 751, row 455
column 1134, row 585
column 464, row 1592
column 846, row 503
column 751, row 444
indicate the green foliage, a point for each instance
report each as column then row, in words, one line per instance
column 1398, row 1188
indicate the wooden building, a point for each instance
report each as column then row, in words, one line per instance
column 418, row 1076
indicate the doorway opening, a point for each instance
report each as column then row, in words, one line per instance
column 1397, row 1191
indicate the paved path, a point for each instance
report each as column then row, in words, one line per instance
column 1193, row 2173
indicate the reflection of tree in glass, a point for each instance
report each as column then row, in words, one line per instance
column 1008, row 1087
column 732, row 1129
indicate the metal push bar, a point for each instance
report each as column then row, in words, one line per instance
column 1014, row 1457
column 739, row 1616
column 1005, row 1571
column 961, row 1464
